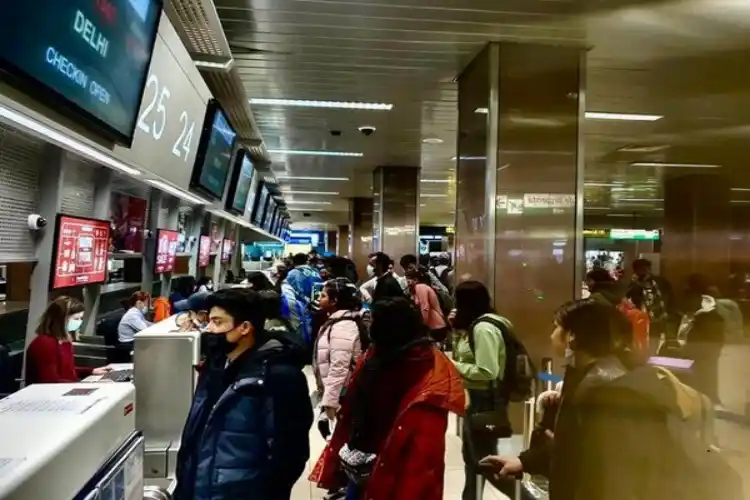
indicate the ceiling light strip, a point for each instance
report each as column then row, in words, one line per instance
column 65, row 141
column 179, row 193
column 303, row 152
column 302, row 103
column 436, row 181
column 672, row 165
column 602, row 115
column 306, row 202
column 310, row 178
column 314, row 193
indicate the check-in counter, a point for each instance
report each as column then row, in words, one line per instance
column 165, row 376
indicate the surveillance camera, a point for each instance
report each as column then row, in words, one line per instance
column 36, row 222
column 367, row 130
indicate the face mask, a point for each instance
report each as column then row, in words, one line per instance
column 74, row 324
column 370, row 271
column 213, row 343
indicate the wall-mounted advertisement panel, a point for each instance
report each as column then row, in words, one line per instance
column 169, row 122
column 88, row 59
column 204, row 251
column 166, row 250
column 80, row 253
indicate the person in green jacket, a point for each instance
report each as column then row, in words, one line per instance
column 479, row 354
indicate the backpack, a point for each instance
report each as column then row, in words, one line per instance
column 700, row 470
column 364, row 331
column 443, row 277
column 518, row 377
column 305, row 326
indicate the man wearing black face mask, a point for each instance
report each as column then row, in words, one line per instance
column 246, row 435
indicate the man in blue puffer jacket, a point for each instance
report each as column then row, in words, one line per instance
column 246, row 435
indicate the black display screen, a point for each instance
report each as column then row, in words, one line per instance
column 269, row 215
column 214, row 156
column 242, row 180
column 90, row 55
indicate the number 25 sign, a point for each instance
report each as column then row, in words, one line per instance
column 154, row 119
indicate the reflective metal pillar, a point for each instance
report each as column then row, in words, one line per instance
column 360, row 233
column 342, row 241
column 520, row 181
column 396, row 210
column 102, row 208
column 149, row 243
column 173, row 215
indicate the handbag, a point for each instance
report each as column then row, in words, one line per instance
column 487, row 415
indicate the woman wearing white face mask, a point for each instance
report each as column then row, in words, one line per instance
column 49, row 357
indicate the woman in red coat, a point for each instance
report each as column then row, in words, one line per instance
column 389, row 443
column 49, row 357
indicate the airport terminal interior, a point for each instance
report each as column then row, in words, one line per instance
column 550, row 150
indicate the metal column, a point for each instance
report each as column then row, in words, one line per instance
column 218, row 275
column 173, row 214
column 102, row 200
column 149, row 242
column 194, row 235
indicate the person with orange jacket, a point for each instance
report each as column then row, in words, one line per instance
column 634, row 308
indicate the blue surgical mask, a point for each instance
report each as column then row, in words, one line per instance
column 73, row 325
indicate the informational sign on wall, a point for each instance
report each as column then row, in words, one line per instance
column 169, row 121
column 80, row 255
column 204, row 251
column 227, row 248
column 166, row 250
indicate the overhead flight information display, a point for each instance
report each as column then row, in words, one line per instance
column 90, row 55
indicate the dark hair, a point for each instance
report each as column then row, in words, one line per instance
column 142, row 296
column 54, row 319
column 229, row 277
column 396, row 328
column 258, row 281
column 635, row 293
column 242, row 304
column 345, row 293
column 382, row 260
column 299, row 259
column 599, row 329
column 202, row 281
column 424, row 260
column 473, row 300
column 638, row 263
column 419, row 275
column 408, row 260
column 281, row 273
column 599, row 275
column 271, row 302
column 241, row 273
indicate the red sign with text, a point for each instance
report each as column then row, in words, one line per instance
column 166, row 250
column 226, row 250
column 204, row 251
column 81, row 248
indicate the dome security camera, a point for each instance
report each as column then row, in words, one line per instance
column 36, row 222
column 367, row 130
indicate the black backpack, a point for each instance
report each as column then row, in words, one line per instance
column 519, row 375
column 364, row 331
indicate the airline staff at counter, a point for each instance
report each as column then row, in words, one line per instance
column 49, row 357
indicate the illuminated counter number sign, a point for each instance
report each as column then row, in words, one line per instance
column 153, row 119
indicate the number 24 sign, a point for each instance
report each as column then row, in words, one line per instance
column 154, row 116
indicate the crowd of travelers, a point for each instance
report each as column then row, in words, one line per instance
column 392, row 355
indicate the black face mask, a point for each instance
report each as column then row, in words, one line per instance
column 215, row 343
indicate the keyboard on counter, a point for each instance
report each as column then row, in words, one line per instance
column 119, row 376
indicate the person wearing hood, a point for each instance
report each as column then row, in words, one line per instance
column 614, row 436
column 389, row 442
column 603, row 287
column 247, row 431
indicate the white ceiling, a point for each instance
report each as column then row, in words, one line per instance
column 677, row 59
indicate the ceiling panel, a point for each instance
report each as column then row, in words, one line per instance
column 678, row 59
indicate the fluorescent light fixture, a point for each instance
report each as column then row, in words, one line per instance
column 308, row 178
column 642, row 199
column 302, row 152
column 38, row 128
column 628, row 117
column 301, row 209
column 644, row 149
column 177, row 192
column 601, row 184
column 741, row 189
column 597, row 115
column 433, row 140
column 436, row 181
column 433, row 195
column 317, row 193
column 214, row 65
column 302, row 103
column 470, row 158
column 422, row 204
column 295, row 202
column 672, row 165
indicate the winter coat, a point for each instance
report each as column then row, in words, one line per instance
column 411, row 463
column 337, row 350
column 247, row 432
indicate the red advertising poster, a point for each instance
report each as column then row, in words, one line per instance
column 226, row 250
column 81, row 247
column 166, row 250
column 204, row 251
column 128, row 218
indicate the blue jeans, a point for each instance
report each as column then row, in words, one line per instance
column 352, row 492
